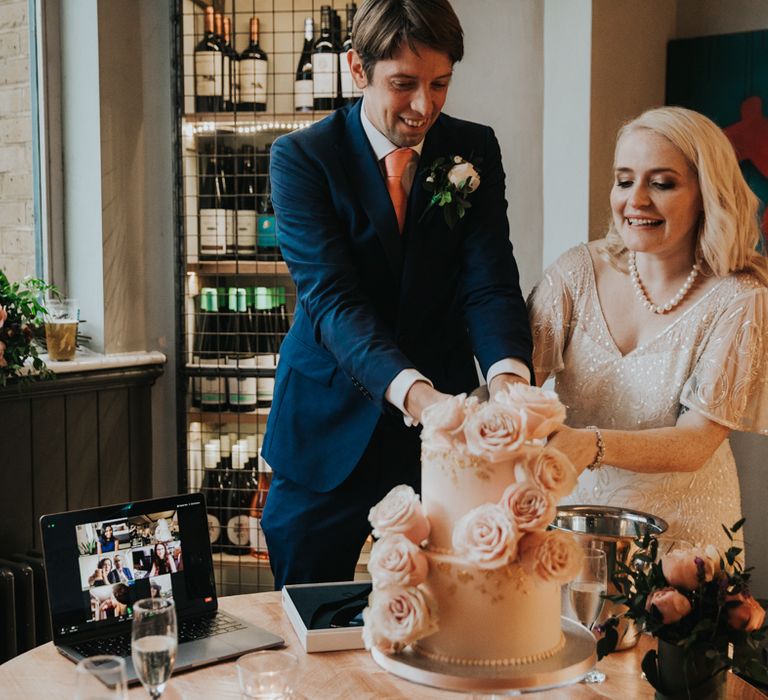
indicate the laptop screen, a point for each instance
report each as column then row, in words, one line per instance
column 101, row 560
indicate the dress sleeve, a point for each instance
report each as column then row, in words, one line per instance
column 550, row 308
column 729, row 382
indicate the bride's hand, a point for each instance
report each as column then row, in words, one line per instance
column 579, row 445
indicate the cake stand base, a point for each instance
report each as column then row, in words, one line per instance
column 563, row 668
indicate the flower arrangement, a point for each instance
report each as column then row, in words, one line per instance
column 512, row 530
column 451, row 180
column 696, row 600
column 20, row 311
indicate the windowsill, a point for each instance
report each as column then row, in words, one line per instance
column 89, row 361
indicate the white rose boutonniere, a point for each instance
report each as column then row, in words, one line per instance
column 451, row 180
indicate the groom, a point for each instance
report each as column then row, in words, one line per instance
column 393, row 304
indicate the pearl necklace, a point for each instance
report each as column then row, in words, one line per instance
column 643, row 296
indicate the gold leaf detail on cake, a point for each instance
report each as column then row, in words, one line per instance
column 443, row 566
column 465, row 576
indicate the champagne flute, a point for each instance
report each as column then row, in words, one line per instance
column 585, row 594
column 154, row 642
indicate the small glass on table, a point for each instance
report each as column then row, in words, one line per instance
column 267, row 675
column 154, row 642
column 101, row 678
column 585, row 594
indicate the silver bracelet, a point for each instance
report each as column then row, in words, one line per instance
column 598, row 461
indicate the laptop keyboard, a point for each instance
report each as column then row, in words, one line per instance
column 189, row 630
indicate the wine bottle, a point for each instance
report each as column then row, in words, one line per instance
column 213, row 388
column 325, row 64
column 231, row 77
column 226, row 87
column 253, row 74
column 245, row 244
column 265, row 357
column 336, row 31
column 302, row 90
column 215, row 215
column 242, row 390
column 259, row 500
column 212, row 490
column 228, row 177
column 208, row 69
column 238, row 504
column 267, row 248
column 194, row 457
column 349, row 91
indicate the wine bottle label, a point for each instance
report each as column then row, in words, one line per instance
column 230, row 232
column 253, row 80
column 242, row 391
column 267, row 231
column 258, row 542
column 302, row 92
column 347, row 84
column 213, row 231
column 246, row 232
column 325, row 68
column 213, row 392
column 208, row 74
column 225, row 84
column 266, row 360
column 265, row 389
column 239, row 530
column 214, row 528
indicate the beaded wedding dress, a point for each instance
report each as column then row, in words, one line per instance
column 711, row 359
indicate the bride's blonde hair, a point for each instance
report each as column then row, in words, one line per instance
column 728, row 228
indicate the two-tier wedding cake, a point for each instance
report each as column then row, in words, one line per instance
column 470, row 574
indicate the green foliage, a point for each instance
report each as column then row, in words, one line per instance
column 21, row 315
column 704, row 634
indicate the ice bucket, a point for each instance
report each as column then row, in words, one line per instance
column 613, row 530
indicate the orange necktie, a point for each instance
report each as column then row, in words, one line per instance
column 395, row 164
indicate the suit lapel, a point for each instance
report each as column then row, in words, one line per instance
column 419, row 197
column 369, row 184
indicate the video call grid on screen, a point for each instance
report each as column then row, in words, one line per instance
column 125, row 559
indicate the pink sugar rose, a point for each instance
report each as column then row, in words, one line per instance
column 3, row 315
column 543, row 410
column 397, row 560
column 551, row 556
column 494, row 432
column 530, row 507
column 400, row 512
column 397, row 616
column 554, row 472
column 688, row 568
column 442, row 423
column 671, row 604
column 749, row 616
column 486, row 537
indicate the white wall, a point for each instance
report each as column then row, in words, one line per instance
column 500, row 83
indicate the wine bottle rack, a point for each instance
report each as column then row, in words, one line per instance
column 223, row 192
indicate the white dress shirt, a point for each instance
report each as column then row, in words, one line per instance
column 402, row 383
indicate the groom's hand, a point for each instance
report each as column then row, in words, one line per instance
column 419, row 396
column 500, row 381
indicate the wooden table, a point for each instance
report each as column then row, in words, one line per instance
column 44, row 673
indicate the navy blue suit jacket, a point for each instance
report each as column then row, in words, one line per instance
column 371, row 302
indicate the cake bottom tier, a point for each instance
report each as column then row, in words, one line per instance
column 491, row 617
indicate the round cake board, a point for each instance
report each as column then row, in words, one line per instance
column 567, row 666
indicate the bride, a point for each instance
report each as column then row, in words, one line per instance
column 657, row 335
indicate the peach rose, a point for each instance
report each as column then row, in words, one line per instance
column 542, row 408
column 749, row 616
column 494, row 432
column 400, row 512
column 528, row 505
column 554, row 472
column 3, row 315
column 442, row 422
column 486, row 537
column 552, row 556
column 397, row 616
column 464, row 173
column 671, row 604
column 3, row 361
column 395, row 559
column 688, row 568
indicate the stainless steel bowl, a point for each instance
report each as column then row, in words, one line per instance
column 613, row 530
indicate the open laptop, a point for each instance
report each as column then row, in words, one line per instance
column 91, row 600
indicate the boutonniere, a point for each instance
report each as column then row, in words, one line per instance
column 451, row 180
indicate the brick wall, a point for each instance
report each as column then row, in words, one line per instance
column 17, row 237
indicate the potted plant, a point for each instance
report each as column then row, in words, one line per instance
column 697, row 603
column 21, row 312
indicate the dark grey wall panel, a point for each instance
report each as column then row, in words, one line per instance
column 82, row 451
column 16, row 524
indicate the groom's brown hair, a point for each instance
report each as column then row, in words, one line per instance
column 382, row 26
